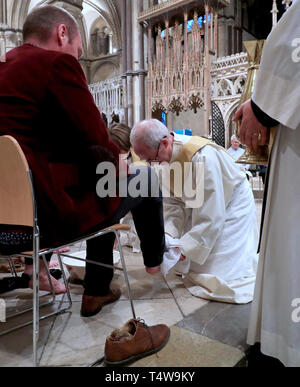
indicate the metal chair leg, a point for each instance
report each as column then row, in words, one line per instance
column 65, row 280
column 49, row 277
column 12, row 267
column 36, row 320
column 125, row 273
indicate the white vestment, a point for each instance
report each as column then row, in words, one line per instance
column 236, row 153
column 274, row 319
column 220, row 238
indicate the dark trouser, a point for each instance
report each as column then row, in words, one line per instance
column 147, row 213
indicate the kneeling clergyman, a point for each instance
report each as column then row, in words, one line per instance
column 218, row 238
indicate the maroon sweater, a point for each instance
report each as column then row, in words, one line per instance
column 46, row 106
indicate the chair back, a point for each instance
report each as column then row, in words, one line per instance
column 16, row 195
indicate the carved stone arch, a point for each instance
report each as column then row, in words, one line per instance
column 225, row 88
column 178, row 82
column 112, row 20
column 239, row 84
column 110, row 68
column 23, row 12
column 14, row 22
column 174, row 82
column 98, row 43
column 228, row 120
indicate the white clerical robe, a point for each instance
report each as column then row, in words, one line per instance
column 220, row 238
column 236, row 153
column 274, row 320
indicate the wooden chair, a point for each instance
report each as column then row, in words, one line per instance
column 18, row 208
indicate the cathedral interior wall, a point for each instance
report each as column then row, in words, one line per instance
column 187, row 120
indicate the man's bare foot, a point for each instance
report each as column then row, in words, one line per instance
column 53, row 264
column 59, row 288
column 153, row 270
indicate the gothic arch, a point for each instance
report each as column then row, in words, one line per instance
column 112, row 19
column 99, row 26
column 228, row 120
column 110, row 69
column 225, row 88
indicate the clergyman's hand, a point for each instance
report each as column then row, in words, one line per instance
column 252, row 133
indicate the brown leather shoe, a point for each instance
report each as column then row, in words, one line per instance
column 92, row 305
column 134, row 341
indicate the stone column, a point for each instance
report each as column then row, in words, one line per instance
column 110, row 43
column 185, row 60
column 124, row 58
column 3, row 27
column 142, row 73
column 9, row 37
column 149, row 112
column 129, row 62
column 3, row 13
column 211, row 24
column 167, row 77
column 216, row 34
column 207, row 73
column 222, row 36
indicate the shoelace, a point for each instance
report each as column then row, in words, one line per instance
column 142, row 321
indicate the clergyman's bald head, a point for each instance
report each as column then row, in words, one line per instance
column 149, row 132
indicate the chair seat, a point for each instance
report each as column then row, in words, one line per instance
column 15, row 239
column 18, row 239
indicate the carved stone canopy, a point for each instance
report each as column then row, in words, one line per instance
column 158, row 107
column 195, row 103
column 176, row 106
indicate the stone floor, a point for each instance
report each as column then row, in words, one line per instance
column 203, row 333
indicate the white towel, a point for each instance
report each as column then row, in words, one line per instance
column 172, row 256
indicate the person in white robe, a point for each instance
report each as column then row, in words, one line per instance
column 220, row 237
column 236, row 151
column 275, row 316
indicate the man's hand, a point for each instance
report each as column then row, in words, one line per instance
column 252, row 133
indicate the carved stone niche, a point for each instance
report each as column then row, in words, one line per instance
column 195, row 103
column 157, row 110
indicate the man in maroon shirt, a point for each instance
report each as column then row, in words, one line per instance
column 45, row 104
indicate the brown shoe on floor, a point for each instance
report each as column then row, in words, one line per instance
column 92, row 305
column 134, row 341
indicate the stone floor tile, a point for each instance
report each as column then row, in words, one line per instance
column 16, row 347
column 189, row 305
column 226, row 323
column 143, row 285
column 80, row 341
column 132, row 259
column 188, row 349
column 177, row 286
